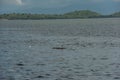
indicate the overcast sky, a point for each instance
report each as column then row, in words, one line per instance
column 58, row 6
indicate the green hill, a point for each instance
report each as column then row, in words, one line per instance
column 117, row 14
column 82, row 14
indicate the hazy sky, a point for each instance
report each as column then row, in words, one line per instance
column 58, row 6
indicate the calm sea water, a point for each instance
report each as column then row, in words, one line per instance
column 63, row 49
column 65, row 27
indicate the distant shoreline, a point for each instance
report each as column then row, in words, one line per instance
column 60, row 18
column 83, row 14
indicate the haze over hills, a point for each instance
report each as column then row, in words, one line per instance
column 58, row 6
column 69, row 15
column 117, row 14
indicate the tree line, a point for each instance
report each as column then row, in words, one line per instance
column 70, row 15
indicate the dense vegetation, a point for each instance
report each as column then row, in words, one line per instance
column 82, row 14
column 117, row 14
column 75, row 14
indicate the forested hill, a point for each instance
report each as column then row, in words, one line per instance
column 117, row 14
column 82, row 14
column 70, row 15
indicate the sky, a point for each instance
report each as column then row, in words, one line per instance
column 58, row 6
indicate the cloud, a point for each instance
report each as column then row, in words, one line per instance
column 11, row 2
column 19, row 2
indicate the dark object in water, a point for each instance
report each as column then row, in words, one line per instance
column 40, row 76
column 59, row 48
column 20, row 64
column 116, row 77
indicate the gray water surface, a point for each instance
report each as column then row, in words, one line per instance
column 65, row 49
